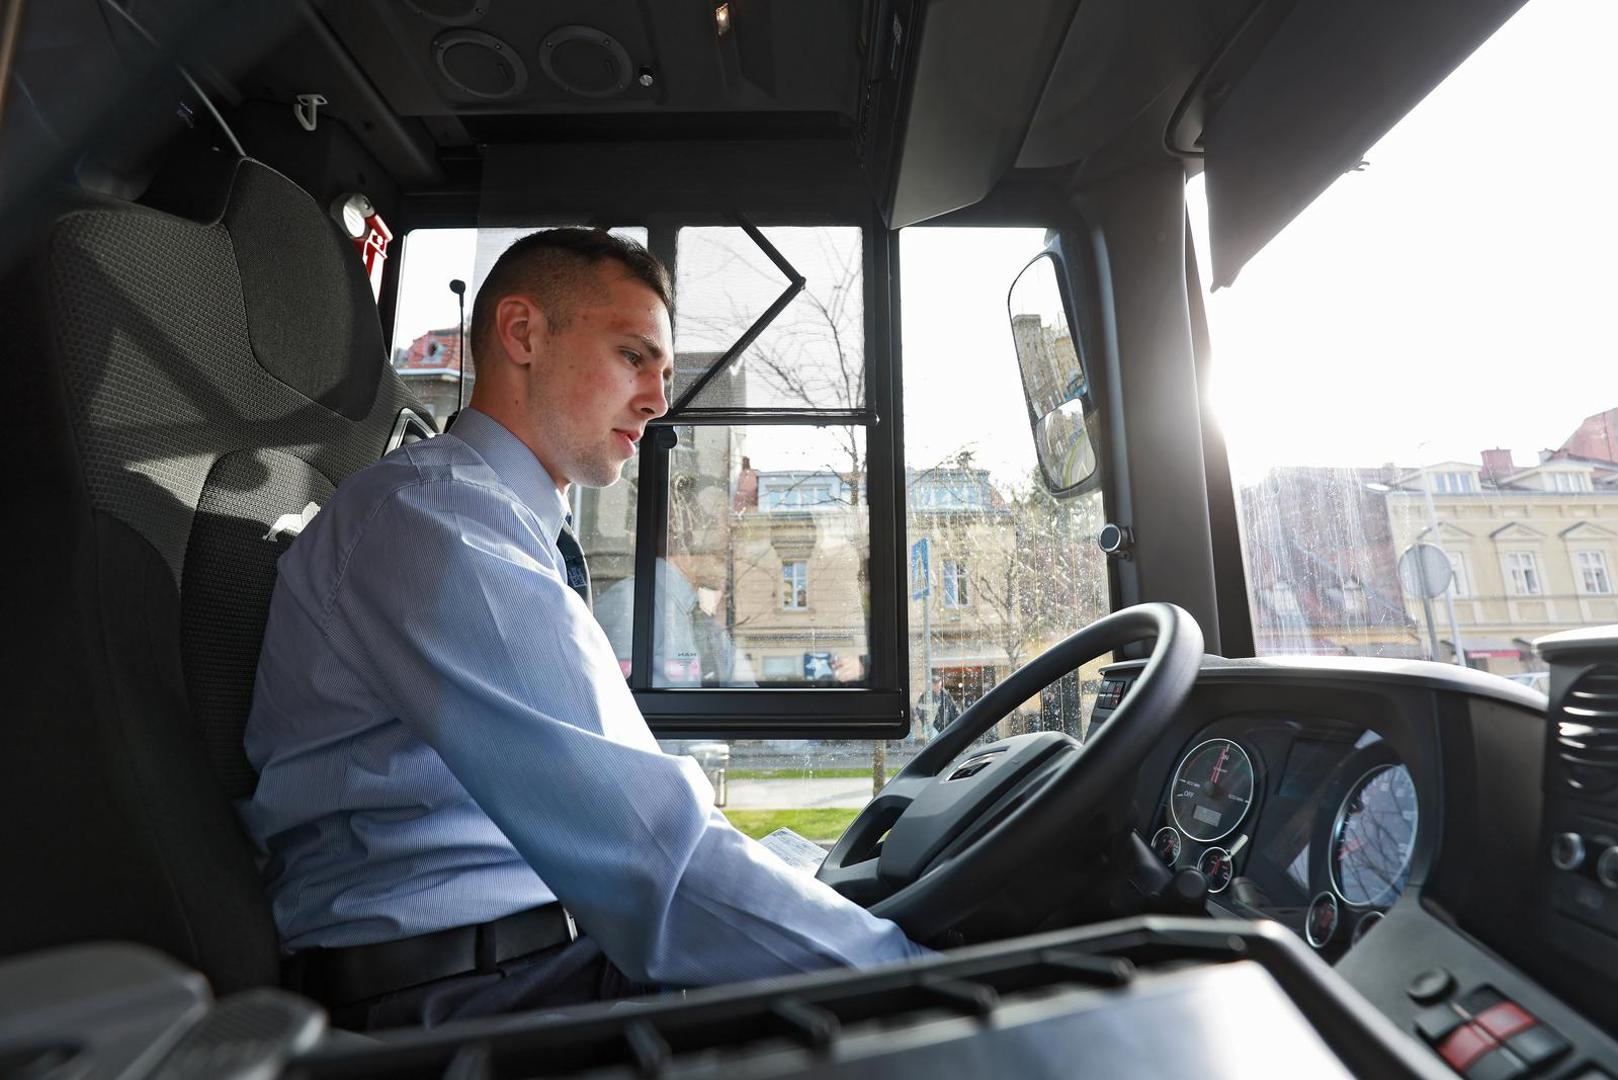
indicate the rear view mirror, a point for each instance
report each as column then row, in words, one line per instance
column 1060, row 403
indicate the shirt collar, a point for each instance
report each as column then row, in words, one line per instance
column 515, row 465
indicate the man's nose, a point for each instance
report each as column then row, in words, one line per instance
column 655, row 401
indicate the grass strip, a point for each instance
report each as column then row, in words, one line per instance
column 819, row 823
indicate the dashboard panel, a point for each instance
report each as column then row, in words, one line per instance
column 1409, row 821
column 1311, row 822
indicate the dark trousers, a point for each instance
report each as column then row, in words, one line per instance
column 570, row 974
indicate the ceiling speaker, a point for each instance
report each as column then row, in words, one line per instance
column 480, row 64
column 585, row 61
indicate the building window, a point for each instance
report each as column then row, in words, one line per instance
column 1452, row 483
column 1460, row 583
column 795, row 585
column 1284, row 602
column 797, row 494
column 1353, row 599
column 1564, row 481
column 1523, row 572
column 1592, row 572
column 955, row 593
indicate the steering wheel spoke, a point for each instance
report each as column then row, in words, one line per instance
column 858, row 881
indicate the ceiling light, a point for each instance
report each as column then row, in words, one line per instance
column 721, row 19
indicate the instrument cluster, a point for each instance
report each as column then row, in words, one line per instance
column 1312, row 824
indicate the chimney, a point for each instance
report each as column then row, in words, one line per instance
column 1497, row 465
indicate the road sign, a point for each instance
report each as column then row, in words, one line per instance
column 1424, row 571
column 921, row 578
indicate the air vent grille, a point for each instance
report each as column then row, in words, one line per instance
column 1587, row 732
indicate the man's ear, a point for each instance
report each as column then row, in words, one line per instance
column 519, row 327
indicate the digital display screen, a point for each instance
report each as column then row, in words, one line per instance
column 1207, row 815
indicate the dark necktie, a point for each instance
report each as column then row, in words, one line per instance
column 578, row 573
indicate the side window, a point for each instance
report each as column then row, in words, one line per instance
column 763, row 570
column 1000, row 570
column 768, row 547
column 426, row 324
column 1396, row 390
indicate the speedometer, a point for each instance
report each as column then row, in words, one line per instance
column 1374, row 836
column 1213, row 787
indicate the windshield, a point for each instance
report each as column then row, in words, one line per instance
column 1417, row 381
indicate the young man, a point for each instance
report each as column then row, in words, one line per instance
column 447, row 751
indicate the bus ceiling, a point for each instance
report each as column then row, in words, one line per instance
column 929, row 105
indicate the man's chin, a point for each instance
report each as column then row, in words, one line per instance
column 600, row 475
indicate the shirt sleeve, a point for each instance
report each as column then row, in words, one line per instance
column 453, row 609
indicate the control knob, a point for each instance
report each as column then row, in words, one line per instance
column 1607, row 867
column 1567, row 851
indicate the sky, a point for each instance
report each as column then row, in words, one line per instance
column 1452, row 296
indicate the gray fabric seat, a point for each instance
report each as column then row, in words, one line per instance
column 186, row 386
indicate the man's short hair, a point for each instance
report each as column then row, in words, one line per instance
column 556, row 267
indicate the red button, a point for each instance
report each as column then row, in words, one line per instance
column 1465, row 1045
column 1504, row 1020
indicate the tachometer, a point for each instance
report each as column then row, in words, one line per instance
column 1213, row 787
column 1374, row 836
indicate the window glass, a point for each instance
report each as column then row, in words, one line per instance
column 426, row 321
column 1423, row 358
column 768, row 562
column 1000, row 570
column 810, row 356
column 1008, row 570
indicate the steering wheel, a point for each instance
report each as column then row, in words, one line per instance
column 938, row 841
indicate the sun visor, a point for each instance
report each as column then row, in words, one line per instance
column 949, row 91
column 1327, row 85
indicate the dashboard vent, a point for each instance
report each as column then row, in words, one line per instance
column 1587, row 732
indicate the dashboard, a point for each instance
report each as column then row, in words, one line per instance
column 1446, row 840
column 1312, row 823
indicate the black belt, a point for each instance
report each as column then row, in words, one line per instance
column 338, row 977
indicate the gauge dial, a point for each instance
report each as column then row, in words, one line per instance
column 1367, row 922
column 1374, row 836
column 1215, row 865
column 1167, row 845
column 1213, row 787
column 1321, row 925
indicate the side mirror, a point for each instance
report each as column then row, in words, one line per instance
column 1061, row 407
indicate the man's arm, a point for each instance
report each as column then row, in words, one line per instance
column 452, row 608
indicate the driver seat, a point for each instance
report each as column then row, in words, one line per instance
column 188, row 378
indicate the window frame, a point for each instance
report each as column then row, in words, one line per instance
column 794, row 593
column 878, row 708
column 953, row 580
column 1598, row 564
column 1532, row 568
column 1460, row 574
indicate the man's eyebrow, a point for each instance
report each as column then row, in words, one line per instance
column 651, row 347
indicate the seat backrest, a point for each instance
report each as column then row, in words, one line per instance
column 186, row 387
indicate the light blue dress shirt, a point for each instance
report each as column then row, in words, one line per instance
column 443, row 736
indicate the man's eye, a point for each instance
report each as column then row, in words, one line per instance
column 632, row 356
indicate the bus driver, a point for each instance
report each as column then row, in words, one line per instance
column 447, row 750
